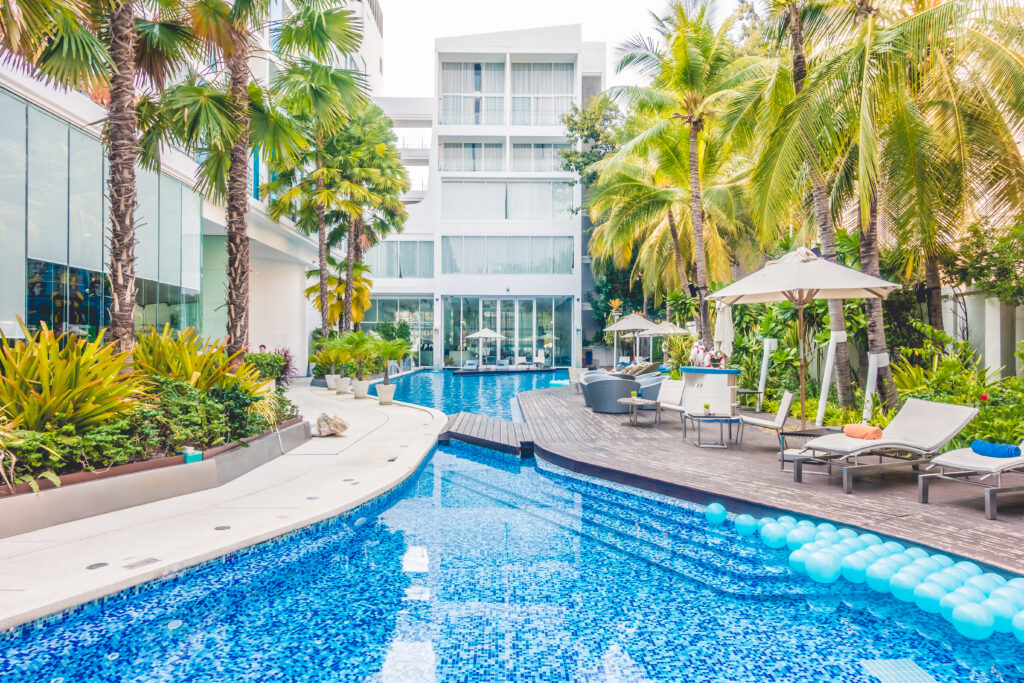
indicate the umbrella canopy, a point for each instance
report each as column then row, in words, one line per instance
column 724, row 331
column 630, row 323
column 485, row 334
column 664, row 329
column 801, row 277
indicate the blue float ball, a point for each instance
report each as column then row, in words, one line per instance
column 853, row 567
column 798, row 560
column 927, row 596
column 806, row 523
column 894, row 546
column 1012, row 594
column 917, row 553
column 949, row 603
column 715, row 513
column 878, row 550
column 973, row 621
column 745, row 525
column 971, row 568
column 1003, row 612
column 1016, row 582
column 845, row 548
column 855, row 543
column 901, row 559
column 774, row 535
column 943, row 560
column 878, row 574
column 870, row 539
column 986, row 583
column 902, row 585
column 798, row 537
column 971, row 593
column 945, row 581
column 823, row 567
column 828, row 536
column 928, row 564
column 847, row 532
column 1018, row 626
column 786, row 520
column 958, row 573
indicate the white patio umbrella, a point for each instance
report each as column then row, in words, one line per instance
column 801, row 277
column 724, row 332
column 480, row 336
column 630, row 323
column 662, row 329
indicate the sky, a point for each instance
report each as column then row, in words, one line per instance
column 410, row 27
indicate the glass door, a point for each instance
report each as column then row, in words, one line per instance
column 489, row 320
column 508, row 330
column 526, row 348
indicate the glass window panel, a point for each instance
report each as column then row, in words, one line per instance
column 451, row 255
column 408, row 259
column 543, row 82
column 426, row 259
column 145, row 304
column 521, row 156
column 473, row 201
column 520, row 79
column 478, row 77
column 45, row 295
column 191, row 243
column 47, row 187
column 518, row 255
column 86, row 201
column 169, row 308
column 540, row 201
column 520, row 111
column 507, row 321
column 562, row 255
column 496, row 261
column 371, row 313
column 451, row 75
column 494, row 201
column 494, row 156
column 389, row 267
column 563, row 331
column 526, row 328
column 561, row 200
column 562, row 79
column 519, row 201
column 545, row 332
column 489, row 320
column 451, row 108
column 189, row 309
column 170, row 232
column 540, row 254
column 470, row 324
column 494, row 78
column 147, row 226
column 452, row 330
column 474, row 255
column 12, row 206
column 451, row 200
column 494, row 111
column 387, row 310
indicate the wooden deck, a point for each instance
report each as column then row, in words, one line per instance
column 490, row 432
column 655, row 457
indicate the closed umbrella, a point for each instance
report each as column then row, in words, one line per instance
column 724, row 332
column 801, row 277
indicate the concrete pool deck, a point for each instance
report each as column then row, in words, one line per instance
column 46, row 571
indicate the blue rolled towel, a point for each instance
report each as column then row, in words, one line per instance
column 995, row 450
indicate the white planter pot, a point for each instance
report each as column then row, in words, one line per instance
column 343, row 385
column 360, row 387
column 385, row 394
column 331, row 380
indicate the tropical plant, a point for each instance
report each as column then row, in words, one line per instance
column 394, row 350
column 360, row 347
column 48, row 381
column 10, row 473
column 269, row 365
column 336, row 287
column 202, row 362
column 289, row 372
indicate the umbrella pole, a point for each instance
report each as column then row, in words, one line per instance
column 803, row 371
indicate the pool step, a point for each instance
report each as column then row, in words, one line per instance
column 489, row 432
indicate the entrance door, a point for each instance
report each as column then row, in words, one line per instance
column 507, row 317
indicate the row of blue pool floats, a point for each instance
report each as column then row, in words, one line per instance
column 977, row 603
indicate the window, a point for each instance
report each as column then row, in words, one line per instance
column 406, row 259
column 85, row 193
column 47, row 187
column 12, row 202
column 472, row 93
column 543, row 157
column 511, row 255
column 147, row 226
column 495, row 201
column 472, row 156
column 541, row 93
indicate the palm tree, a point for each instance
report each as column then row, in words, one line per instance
column 317, row 30
column 695, row 70
column 361, row 291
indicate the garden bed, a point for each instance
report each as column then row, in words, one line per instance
column 86, row 494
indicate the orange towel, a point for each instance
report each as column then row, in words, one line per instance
column 859, row 431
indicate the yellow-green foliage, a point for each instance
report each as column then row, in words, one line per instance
column 204, row 363
column 53, row 381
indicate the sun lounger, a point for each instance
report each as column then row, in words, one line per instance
column 775, row 425
column 917, row 433
column 670, row 397
column 967, row 467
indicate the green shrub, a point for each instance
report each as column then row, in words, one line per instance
column 269, row 365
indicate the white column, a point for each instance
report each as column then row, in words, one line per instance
column 826, row 377
column 1018, row 336
column 993, row 334
column 875, row 361
column 438, row 330
column 769, row 346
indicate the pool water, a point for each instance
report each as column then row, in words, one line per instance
column 489, row 395
column 483, row 567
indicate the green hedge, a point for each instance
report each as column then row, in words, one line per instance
column 270, row 365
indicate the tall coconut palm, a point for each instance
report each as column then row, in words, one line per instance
column 336, row 285
column 695, row 69
column 318, row 30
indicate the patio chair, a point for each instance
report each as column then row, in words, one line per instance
column 574, row 377
column 586, row 379
column 606, row 392
column 538, row 359
column 670, row 397
column 650, row 387
column 502, row 363
column 776, row 425
column 965, row 465
column 521, row 361
column 470, row 365
column 916, row 434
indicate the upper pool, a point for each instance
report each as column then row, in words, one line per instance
column 484, row 394
column 486, row 568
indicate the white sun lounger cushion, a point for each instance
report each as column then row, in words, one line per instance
column 966, row 459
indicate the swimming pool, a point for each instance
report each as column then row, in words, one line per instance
column 489, row 395
column 483, row 567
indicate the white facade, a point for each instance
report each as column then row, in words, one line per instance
column 494, row 216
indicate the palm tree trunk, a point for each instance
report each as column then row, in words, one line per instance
column 354, row 229
column 238, row 204
column 823, row 215
column 321, row 239
column 869, row 263
column 697, row 219
column 122, row 152
column 680, row 263
column 933, row 285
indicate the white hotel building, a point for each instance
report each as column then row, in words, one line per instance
column 494, row 235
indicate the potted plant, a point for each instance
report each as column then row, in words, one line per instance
column 707, row 408
column 395, row 350
column 360, row 347
column 340, row 356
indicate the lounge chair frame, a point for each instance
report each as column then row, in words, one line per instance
column 900, row 457
column 992, row 491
